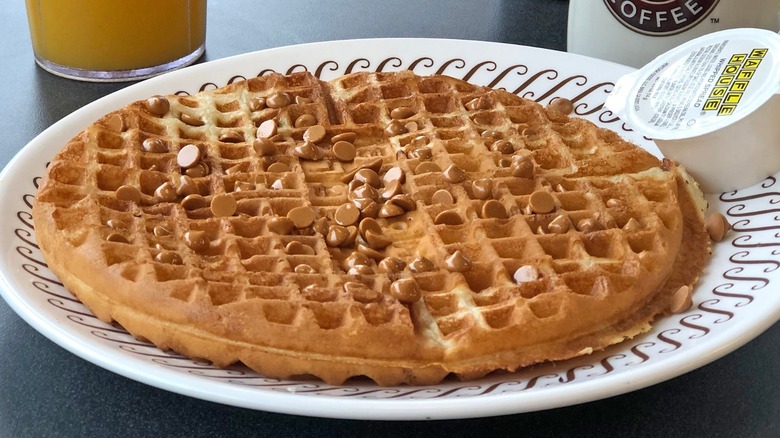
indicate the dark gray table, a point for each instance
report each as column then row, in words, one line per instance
column 46, row 391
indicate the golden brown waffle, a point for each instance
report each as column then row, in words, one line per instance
column 508, row 234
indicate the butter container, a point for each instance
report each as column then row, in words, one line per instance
column 712, row 105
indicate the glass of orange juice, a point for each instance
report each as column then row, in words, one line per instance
column 116, row 40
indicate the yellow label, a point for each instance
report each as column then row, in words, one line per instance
column 711, row 105
column 738, row 58
column 733, row 98
column 746, row 74
column 752, row 64
column 725, row 80
column 718, row 92
column 733, row 81
column 759, row 53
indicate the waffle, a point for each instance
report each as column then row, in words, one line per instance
column 386, row 225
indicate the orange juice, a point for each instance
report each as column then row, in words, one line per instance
column 109, row 35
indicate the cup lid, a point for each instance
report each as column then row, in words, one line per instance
column 703, row 85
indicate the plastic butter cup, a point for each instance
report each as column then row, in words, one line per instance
column 711, row 105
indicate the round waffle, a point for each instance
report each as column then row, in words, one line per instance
column 381, row 224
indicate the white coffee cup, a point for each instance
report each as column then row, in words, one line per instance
column 633, row 32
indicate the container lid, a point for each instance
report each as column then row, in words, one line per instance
column 701, row 86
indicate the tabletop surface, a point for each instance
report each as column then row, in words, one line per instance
column 47, row 391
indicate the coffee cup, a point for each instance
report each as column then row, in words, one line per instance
column 633, row 32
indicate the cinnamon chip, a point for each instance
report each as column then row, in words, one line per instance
column 448, row 217
column 524, row 274
column 165, row 192
column 376, row 240
column 264, row 147
column 344, row 136
column 196, row 240
column 128, row 193
column 443, row 197
column 314, row 133
column 405, row 290
column 278, row 100
column 364, row 191
column 427, row 167
column 681, row 300
column 588, row 225
column 231, row 137
column 391, row 265
column 717, row 226
column 502, row 146
column 191, row 120
column 523, row 167
column 559, row 225
column 115, row 123
column 421, row 264
column 390, row 210
column 457, row 262
column 391, row 189
column 360, row 270
column 394, row 173
column 347, row 215
column 193, row 202
column 344, row 151
column 403, row 112
column 188, row 156
column 154, row 145
column 307, row 151
column 562, row 105
column 158, row 105
column 297, row 248
column 199, row 170
column 305, row 120
column 395, row 128
column 369, row 177
column 168, row 257
column 404, row 201
column 187, row 186
column 301, row 217
column 257, row 104
column 541, row 202
column 223, row 205
column 493, row 209
column 337, row 235
column 370, row 252
column 482, row 188
column 280, row 225
column 454, row 174
column 267, row 129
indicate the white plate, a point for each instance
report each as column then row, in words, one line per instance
column 735, row 301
